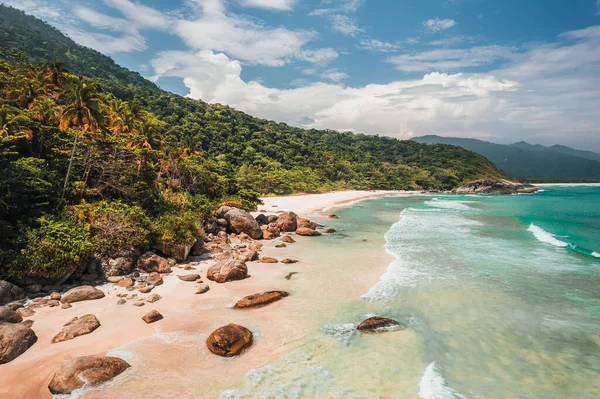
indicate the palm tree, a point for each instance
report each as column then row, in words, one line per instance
column 82, row 111
column 55, row 72
column 11, row 124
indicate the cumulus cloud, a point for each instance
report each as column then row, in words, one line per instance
column 547, row 92
column 437, row 25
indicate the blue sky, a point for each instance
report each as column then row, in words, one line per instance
column 502, row 71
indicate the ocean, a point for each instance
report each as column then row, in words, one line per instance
column 501, row 296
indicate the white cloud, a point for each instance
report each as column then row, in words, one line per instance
column 335, row 75
column 141, row 16
column 437, row 25
column 344, row 24
column 319, row 56
column 452, row 59
column 548, row 93
column 285, row 5
column 378, row 45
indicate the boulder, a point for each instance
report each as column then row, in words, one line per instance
column 377, row 323
column 289, row 261
column 150, row 262
column 88, row 370
column 333, row 216
column 272, row 219
column 10, row 292
column 76, row 327
column 8, row 315
column 261, row 219
column 305, row 231
column 34, row 288
column 287, row 221
column 227, row 270
column 189, row 277
column 120, row 264
column 280, row 246
column 83, row 293
column 229, row 340
column 202, row 288
column 240, row 221
column 489, row 186
column 307, row 224
column 330, row 231
column 125, row 283
column 153, row 298
column 262, row 299
column 152, row 316
column 154, row 279
column 267, row 259
column 66, row 306
column 288, row 239
column 15, row 338
column 198, row 248
column 55, row 296
column 179, row 252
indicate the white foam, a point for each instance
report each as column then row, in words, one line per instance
column 596, row 254
column 543, row 236
column 450, row 204
column 433, row 386
column 342, row 332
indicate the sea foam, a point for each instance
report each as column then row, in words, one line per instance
column 543, row 236
column 433, row 386
column 596, row 254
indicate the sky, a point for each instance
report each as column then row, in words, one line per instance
column 496, row 70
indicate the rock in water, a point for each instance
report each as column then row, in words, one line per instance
column 240, row 221
column 229, row 340
column 15, row 338
column 268, row 259
column 288, row 239
column 305, row 231
column 92, row 370
column 150, row 262
column 83, row 293
column 76, row 327
column 152, row 316
column 496, row 187
column 287, row 221
column 377, row 323
column 227, row 270
column 262, row 299
column 8, row 315
column 289, row 261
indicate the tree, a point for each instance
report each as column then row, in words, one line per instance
column 82, row 111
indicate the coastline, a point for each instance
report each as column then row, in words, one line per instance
column 191, row 318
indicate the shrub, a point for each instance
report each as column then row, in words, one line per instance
column 181, row 227
column 56, row 247
column 115, row 226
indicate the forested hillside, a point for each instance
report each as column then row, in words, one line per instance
column 98, row 159
column 534, row 163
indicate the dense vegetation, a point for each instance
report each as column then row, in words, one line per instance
column 100, row 160
column 533, row 163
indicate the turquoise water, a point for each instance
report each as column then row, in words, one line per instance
column 501, row 295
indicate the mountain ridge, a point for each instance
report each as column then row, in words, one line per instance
column 533, row 162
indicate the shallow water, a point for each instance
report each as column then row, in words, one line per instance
column 501, row 296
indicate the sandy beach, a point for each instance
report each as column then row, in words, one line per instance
column 175, row 344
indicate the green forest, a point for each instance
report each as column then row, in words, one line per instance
column 96, row 159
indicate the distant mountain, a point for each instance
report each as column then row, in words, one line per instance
column 531, row 162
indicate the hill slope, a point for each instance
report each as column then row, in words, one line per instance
column 532, row 162
column 264, row 155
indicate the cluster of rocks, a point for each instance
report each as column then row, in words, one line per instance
column 490, row 186
column 231, row 239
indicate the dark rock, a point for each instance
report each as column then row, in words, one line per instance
column 261, row 219
column 288, row 239
column 229, row 340
column 280, row 246
column 10, row 292
column 496, row 187
column 333, row 216
column 8, row 315
column 89, row 370
column 289, row 275
column 330, row 231
column 289, row 261
column 377, row 323
column 240, row 221
column 15, row 338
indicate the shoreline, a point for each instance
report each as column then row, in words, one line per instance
column 121, row 327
